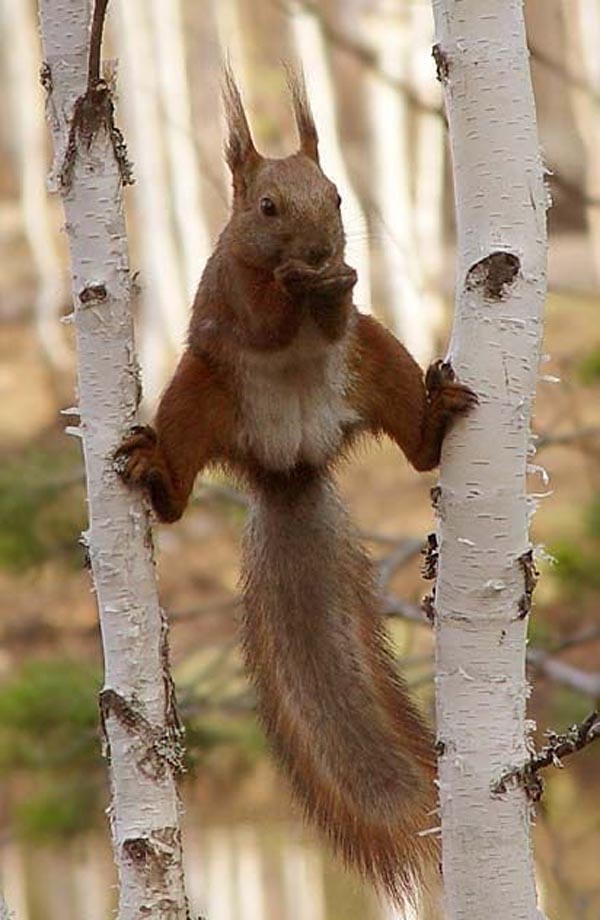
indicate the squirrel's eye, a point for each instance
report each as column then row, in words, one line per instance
column 268, row 207
column 339, row 200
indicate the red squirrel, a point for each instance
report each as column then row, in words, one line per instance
column 280, row 376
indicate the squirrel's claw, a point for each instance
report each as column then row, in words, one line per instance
column 139, row 464
column 444, row 390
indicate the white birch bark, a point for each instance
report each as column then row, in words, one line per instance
column 136, row 702
column 582, row 28
column 184, row 169
column 28, row 134
column 482, row 505
column 388, row 27
column 313, row 56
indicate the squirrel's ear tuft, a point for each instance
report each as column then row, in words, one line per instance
column 240, row 153
column 307, row 132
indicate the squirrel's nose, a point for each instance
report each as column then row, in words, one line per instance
column 318, row 254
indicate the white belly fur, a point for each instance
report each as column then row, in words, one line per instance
column 294, row 405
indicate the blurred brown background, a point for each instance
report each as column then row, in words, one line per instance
column 383, row 140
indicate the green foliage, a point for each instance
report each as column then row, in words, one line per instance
column 589, row 368
column 49, row 743
column 577, row 567
column 49, row 740
column 593, row 518
column 49, row 717
column 578, row 563
column 42, row 510
column 57, row 810
column 205, row 735
column 568, row 707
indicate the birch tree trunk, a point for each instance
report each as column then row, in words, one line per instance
column 429, row 145
column 582, row 28
column 165, row 311
column 486, row 570
column 137, row 704
column 387, row 24
column 184, row 169
column 21, row 48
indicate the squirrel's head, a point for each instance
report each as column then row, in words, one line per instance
column 283, row 209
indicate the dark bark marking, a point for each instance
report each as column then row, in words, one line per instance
column 530, row 577
column 93, row 112
column 428, row 606
column 440, row 747
column 494, row 274
column 153, row 855
column 92, row 293
column 430, row 558
column 442, row 63
column 46, row 77
column 162, row 748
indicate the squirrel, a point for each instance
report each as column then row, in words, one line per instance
column 281, row 375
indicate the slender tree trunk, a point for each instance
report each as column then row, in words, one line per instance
column 250, row 887
column 582, row 28
column 485, row 569
column 137, row 705
column 388, row 25
column 430, row 140
column 165, row 313
column 28, row 134
column 184, row 169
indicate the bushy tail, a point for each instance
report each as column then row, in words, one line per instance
column 359, row 755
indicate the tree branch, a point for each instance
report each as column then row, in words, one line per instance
column 96, row 44
column 559, row 746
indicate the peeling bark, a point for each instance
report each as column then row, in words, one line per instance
column 484, row 572
column 143, row 737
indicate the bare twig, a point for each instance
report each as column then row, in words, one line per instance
column 404, row 610
column 559, row 746
column 567, row 437
column 590, row 634
column 584, row 682
column 96, row 44
column 405, row 551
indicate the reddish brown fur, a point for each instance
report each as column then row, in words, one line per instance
column 280, row 375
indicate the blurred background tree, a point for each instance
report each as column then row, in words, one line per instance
column 371, row 76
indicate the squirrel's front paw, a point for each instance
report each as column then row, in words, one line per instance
column 139, row 464
column 299, row 279
column 444, row 391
